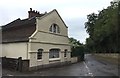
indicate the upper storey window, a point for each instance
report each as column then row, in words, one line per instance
column 54, row 28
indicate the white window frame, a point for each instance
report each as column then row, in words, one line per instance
column 54, row 28
column 39, row 54
column 65, row 53
column 54, row 53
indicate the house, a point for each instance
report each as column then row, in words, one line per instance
column 41, row 38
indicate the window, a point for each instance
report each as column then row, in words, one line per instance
column 65, row 53
column 54, row 28
column 39, row 53
column 50, row 29
column 54, row 53
column 58, row 29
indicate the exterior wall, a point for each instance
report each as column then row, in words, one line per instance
column 46, row 40
column 33, row 47
column 50, row 38
column 14, row 50
column 74, row 59
column 42, row 38
column 43, row 24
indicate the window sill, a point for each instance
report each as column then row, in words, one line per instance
column 54, row 33
column 65, row 57
column 53, row 59
column 39, row 60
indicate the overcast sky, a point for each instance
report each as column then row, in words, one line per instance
column 73, row 12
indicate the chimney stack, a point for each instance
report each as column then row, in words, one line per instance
column 33, row 13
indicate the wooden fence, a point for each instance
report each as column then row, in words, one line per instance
column 16, row 64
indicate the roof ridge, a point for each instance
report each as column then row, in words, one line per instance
column 46, row 14
column 18, row 19
column 50, row 13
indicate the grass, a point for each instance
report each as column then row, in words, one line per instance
column 114, row 60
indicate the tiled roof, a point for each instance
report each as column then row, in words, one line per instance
column 18, row 30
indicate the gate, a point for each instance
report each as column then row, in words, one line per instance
column 12, row 63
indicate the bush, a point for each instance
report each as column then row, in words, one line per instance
column 78, row 52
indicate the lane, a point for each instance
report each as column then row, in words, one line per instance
column 100, row 67
column 78, row 69
column 89, row 72
column 89, row 67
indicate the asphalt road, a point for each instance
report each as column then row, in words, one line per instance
column 90, row 67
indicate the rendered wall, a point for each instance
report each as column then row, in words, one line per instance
column 74, row 59
column 33, row 47
column 50, row 38
column 46, row 40
column 43, row 24
column 14, row 50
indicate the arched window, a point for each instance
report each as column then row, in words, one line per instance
column 57, row 29
column 65, row 53
column 39, row 53
column 54, row 28
column 54, row 53
column 50, row 29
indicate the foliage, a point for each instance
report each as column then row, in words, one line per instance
column 74, row 42
column 103, row 30
column 77, row 48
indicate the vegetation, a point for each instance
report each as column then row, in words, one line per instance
column 77, row 48
column 103, row 30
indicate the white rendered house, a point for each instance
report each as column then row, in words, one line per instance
column 41, row 38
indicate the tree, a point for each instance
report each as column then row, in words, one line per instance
column 77, row 48
column 103, row 30
column 90, row 24
column 74, row 42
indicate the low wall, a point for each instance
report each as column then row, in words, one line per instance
column 74, row 59
column 58, row 64
column 111, row 57
column 16, row 64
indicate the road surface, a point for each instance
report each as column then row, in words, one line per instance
column 90, row 67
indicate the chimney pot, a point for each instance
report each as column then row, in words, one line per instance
column 30, row 9
column 45, row 13
column 33, row 13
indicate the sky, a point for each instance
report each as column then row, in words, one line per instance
column 73, row 12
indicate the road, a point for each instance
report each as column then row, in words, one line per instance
column 90, row 67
